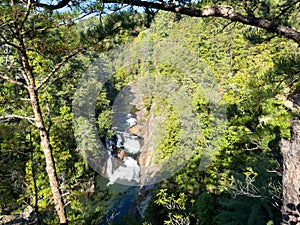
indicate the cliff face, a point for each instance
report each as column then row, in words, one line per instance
column 143, row 128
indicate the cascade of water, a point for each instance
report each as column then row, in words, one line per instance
column 122, row 168
column 109, row 170
column 129, row 171
column 131, row 142
column 125, row 169
column 133, row 171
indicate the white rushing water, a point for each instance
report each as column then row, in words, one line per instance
column 122, row 169
column 129, row 171
column 131, row 142
column 125, row 170
column 131, row 121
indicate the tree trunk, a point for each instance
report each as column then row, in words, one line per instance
column 291, row 176
column 50, row 165
column 45, row 141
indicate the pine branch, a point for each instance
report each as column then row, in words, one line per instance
column 59, row 5
column 226, row 12
column 57, row 67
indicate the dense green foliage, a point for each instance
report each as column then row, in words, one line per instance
column 24, row 183
column 253, row 73
column 238, row 181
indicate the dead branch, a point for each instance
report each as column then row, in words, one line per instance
column 20, row 84
column 6, row 118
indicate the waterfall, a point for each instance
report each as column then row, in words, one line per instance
column 123, row 148
column 122, row 169
column 129, row 171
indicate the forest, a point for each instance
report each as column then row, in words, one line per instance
column 150, row 112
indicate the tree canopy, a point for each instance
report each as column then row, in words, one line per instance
column 250, row 51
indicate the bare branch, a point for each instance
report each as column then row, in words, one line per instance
column 57, row 67
column 279, row 173
column 20, row 84
column 246, row 187
column 255, row 146
column 13, row 116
